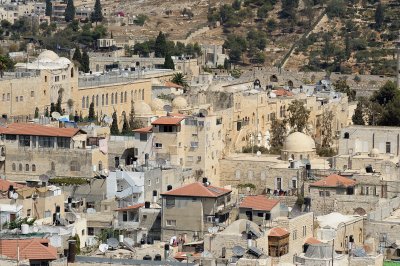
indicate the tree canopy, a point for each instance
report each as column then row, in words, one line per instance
column 69, row 11
column 97, row 15
column 298, row 116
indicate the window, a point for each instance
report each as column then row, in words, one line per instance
column 346, row 135
column 63, row 143
column 294, row 234
column 112, row 98
column 87, row 101
column 47, row 214
column 45, row 78
column 33, row 167
column 304, row 230
column 170, row 202
column 16, row 99
column 125, row 216
column 20, row 167
column 387, row 147
column 324, row 193
column 32, row 94
column 158, row 145
column 170, row 223
column 97, row 100
column 90, row 231
column 102, row 100
column 8, row 96
column 27, row 167
column 11, row 137
column 142, row 94
column 57, row 78
column 28, row 212
column 149, row 183
column 126, row 97
column 24, row 141
column 74, row 166
column 260, row 214
column 107, row 99
column 279, row 183
column 14, row 168
column 122, row 97
column 210, row 219
column 4, row 97
column 72, row 72
column 100, row 165
column 46, row 142
column 143, row 137
column 250, row 174
column 52, row 166
column 83, row 102
column 237, row 174
column 194, row 144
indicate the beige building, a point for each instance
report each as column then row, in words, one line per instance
column 32, row 150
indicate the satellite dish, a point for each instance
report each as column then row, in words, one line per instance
column 103, row 247
column 167, row 108
column 113, row 243
column 238, row 251
column 44, row 178
column 213, row 230
column 55, row 115
column 108, row 120
column 15, row 196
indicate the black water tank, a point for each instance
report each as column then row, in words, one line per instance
column 147, row 257
column 368, row 169
column 169, row 187
column 71, row 251
column 205, row 180
column 69, row 200
column 150, row 240
column 142, row 241
column 58, row 208
column 166, row 247
column 11, row 188
column 147, row 204
column 157, row 257
column 249, row 236
column 308, row 166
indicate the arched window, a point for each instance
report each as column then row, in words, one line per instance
column 237, row 174
column 100, row 165
column 72, row 72
column 27, row 167
column 53, row 166
column 122, row 97
column 87, row 101
column 116, row 97
column 112, row 98
column 273, row 78
column 93, row 99
column 107, row 99
column 20, row 167
column 14, row 167
column 131, row 95
column 142, row 94
column 102, row 100
column 74, row 166
column 126, row 97
column 33, row 167
column 83, row 102
column 135, row 95
column 97, row 100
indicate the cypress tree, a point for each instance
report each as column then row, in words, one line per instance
column 52, row 108
column 379, row 16
column 85, row 62
column 125, row 127
column 49, row 8
column 46, row 113
column 97, row 15
column 77, row 55
column 358, row 115
column 69, row 11
column 160, row 46
column 114, row 126
column 91, row 112
column 169, row 63
column 36, row 112
column 58, row 104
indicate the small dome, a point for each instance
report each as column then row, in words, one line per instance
column 63, row 60
column 48, row 55
column 157, row 104
column 179, row 102
column 142, row 108
column 299, row 142
column 374, row 152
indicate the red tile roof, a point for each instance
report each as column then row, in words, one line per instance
column 259, row 202
column 38, row 130
column 31, row 249
column 183, row 255
column 278, row 231
column 132, row 207
column 312, row 240
column 148, row 129
column 282, row 92
column 173, row 85
column 198, row 189
column 334, row 180
column 168, row 120
column 5, row 185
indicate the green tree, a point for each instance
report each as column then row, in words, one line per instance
column 341, row 86
column 36, row 112
column 52, row 108
column 77, row 57
column 386, row 94
column 114, row 126
column 169, row 63
column 140, row 19
column 5, row 64
column 379, row 16
column 97, row 15
column 179, row 79
column 289, row 8
column 69, row 14
column 125, row 127
column 358, row 116
column 298, row 116
column 160, row 45
column 336, row 8
column 85, row 62
column 91, row 112
column 59, row 103
column 49, row 8
column 236, row 4
column 326, row 129
column 391, row 113
column 278, row 133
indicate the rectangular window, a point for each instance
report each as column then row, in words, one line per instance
column 278, row 183
column 194, row 144
column 28, row 212
column 170, row 202
column 170, row 223
column 21, row 98
column 24, row 141
column 158, row 145
column 387, row 147
column 33, row 141
column 324, row 193
column 32, row 93
column 260, row 214
column 304, row 230
column 56, row 78
column 294, row 234
column 143, row 137
column 8, row 96
column 63, row 143
column 46, row 142
column 149, row 183
column 90, row 231
column 11, row 137
column 125, row 216
column 16, row 99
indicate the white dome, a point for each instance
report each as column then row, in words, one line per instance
column 157, row 104
column 374, row 152
column 299, row 142
column 179, row 102
column 48, row 55
column 63, row 60
column 142, row 108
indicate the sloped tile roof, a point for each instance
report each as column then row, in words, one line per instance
column 198, row 189
column 38, row 130
column 148, row 129
column 312, row 241
column 5, row 185
column 168, row 120
column 172, row 85
column 133, row 207
column 31, row 249
column 334, row 180
column 278, row 231
column 282, row 92
column 259, row 202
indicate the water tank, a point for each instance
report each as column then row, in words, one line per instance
column 308, row 166
column 166, row 247
column 121, row 238
column 205, row 180
column 147, row 257
column 24, row 229
column 169, row 187
column 157, row 257
column 368, row 169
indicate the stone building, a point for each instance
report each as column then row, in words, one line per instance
column 259, row 209
column 189, row 210
column 32, row 150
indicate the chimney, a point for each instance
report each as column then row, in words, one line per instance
column 166, row 251
column 154, row 196
column 71, row 251
column 249, row 240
